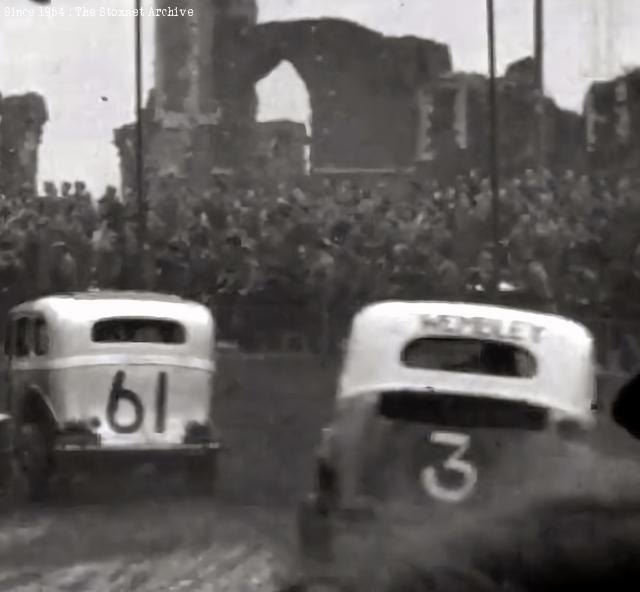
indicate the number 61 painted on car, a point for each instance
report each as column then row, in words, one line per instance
column 442, row 407
column 111, row 376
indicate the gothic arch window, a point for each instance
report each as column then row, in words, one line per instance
column 283, row 95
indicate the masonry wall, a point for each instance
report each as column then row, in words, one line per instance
column 367, row 94
column 612, row 111
column 22, row 119
column 361, row 86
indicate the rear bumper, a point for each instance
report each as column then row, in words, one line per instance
column 95, row 454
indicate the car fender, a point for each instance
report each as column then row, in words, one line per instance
column 35, row 407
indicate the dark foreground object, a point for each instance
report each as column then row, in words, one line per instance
column 626, row 407
column 588, row 538
column 571, row 544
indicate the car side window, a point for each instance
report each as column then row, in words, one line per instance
column 8, row 339
column 22, row 338
column 41, row 333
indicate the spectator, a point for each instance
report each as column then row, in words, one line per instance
column 50, row 190
column 173, row 268
column 107, row 260
column 566, row 237
column 65, row 190
column 448, row 278
column 64, row 277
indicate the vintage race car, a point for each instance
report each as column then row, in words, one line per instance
column 100, row 377
column 442, row 407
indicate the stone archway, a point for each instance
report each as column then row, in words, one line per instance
column 283, row 106
column 361, row 85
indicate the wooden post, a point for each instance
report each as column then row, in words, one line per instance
column 493, row 140
column 141, row 214
column 539, row 84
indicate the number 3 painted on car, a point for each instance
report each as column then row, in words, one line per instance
column 454, row 463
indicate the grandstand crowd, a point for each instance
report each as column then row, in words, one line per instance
column 565, row 240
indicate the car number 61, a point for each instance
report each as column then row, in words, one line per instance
column 120, row 393
column 454, row 463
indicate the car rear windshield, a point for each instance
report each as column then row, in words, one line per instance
column 128, row 330
column 475, row 356
column 460, row 411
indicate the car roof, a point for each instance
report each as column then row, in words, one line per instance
column 101, row 295
column 397, row 314
column 119, row 295
column 91, row 305
column 380, row 332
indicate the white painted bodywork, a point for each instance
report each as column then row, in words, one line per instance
column 75, row 377
column 564, row 350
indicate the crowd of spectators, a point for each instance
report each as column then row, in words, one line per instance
column 565, row 240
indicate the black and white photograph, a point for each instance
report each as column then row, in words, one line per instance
column 319, row 295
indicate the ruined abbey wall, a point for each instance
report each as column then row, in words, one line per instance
column 378, row 103
column 22, row 119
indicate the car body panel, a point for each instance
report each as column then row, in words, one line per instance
column 564, row 350
column 413, row 444
column 89, row 384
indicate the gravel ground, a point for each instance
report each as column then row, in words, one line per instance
column 147, row 546
column 153, row 541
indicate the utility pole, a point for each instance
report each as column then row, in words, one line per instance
column 493, row 140
column 141, row 209
column 539, row 83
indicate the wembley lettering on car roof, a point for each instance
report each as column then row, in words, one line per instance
column 482, row 327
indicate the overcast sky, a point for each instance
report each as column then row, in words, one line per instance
column 74, row 60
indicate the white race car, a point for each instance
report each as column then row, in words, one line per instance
column 110, row 377
column 442, row 407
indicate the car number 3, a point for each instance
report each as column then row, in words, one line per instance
column 454, row 463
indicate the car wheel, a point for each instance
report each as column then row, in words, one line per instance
column 315, row 532
column 6, row 461
column 32, row 463
column 202, row 472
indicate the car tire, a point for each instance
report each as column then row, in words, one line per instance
column 33, row 466
column 6, row 461
column 202, row 473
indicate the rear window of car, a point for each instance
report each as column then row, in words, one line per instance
column 130, row 330
column 22, row 338
column 473, row 356
column 461, row 411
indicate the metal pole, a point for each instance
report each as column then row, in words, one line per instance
column 493, row 140
column 140, row 188
column 539, row 82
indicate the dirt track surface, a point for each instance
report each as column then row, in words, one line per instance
column 181, row 545
column 112, row 544
column 150, row 544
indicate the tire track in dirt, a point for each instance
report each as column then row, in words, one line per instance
column 236, row 569
column 201, row 545
column 196, row 547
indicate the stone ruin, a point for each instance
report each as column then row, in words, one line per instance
column 22, row 119
column 379, row 104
